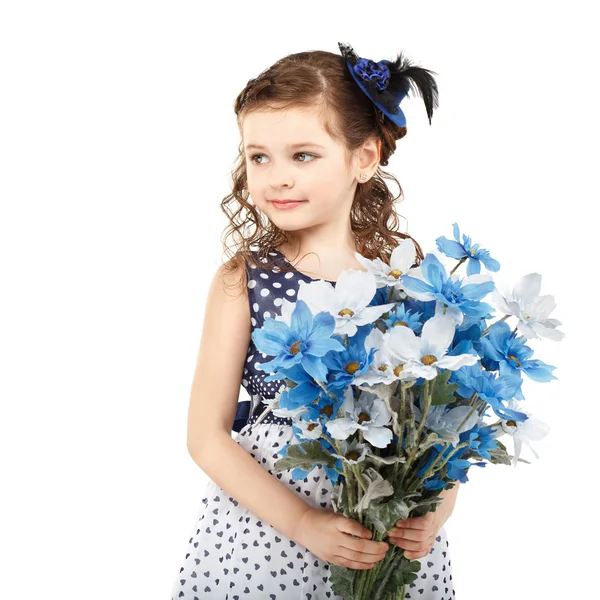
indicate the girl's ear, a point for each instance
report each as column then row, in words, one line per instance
column 369, row 155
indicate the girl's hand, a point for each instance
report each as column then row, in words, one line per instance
column 416, row 535
column 331, row 537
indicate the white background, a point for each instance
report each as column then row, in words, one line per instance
column 117, row 137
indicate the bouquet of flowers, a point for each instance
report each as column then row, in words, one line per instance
column 389, row 376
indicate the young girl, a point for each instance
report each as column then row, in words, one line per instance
column 316, row 127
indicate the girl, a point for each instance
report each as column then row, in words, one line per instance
column 315, row 129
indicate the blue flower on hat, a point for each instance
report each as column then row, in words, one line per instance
column 369, row 70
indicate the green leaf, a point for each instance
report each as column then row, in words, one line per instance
column 405, row 573
column 342, row 580
column 442, row 391
column 340, row 499
column 377, row 488
column 305, row 455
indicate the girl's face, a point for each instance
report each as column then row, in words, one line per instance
column 290, row 156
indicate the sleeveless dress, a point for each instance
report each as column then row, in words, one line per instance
column 231, row 553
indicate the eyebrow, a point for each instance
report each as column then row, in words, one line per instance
column 300, row 145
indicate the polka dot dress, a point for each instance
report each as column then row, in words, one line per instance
column 232, row 554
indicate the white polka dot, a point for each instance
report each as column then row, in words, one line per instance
column 250, row 358
column 267, row 314
column 251, row 283
column 276, row 284
column 290, row 292
column 253, row 321
column 264, row 275
column 264, row 292
column 244, row 382
column 288, row 275
column 278, row 302
column 255, row 307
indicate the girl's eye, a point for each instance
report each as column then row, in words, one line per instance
column 254, row 157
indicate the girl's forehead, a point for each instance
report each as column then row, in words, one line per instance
column 285, row 128
column 304, row 122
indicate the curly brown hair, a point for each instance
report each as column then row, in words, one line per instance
column 308, row 79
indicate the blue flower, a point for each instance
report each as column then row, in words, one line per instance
column 501, row 345
column 460, row 296
column 405, row 317
column 482, row 439
column 489, row 387
column 476, row 256
column 369, row 70
column 303, row 342
column 353, row 360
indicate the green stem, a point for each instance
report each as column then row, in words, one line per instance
column 471, row 399
column 426, row 405
column 460, row 262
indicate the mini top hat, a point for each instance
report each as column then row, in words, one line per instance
column 387, row 83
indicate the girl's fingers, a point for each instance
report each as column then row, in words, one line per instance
column 405, row 544
column 409, row 534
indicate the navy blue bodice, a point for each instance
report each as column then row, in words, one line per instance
column 266, row 289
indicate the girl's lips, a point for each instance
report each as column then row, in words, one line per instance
column 287, row 204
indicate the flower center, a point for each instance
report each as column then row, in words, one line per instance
column 402, row 323
column 295, row 347
column 352, row 367
column 362, row 417
column 312, row 426
column 398, row 369
column 395, row 273
column 511, row 423
column 346, row 312
column 353, row 455
column 382, row 367
column 327, row 410
column 428, row 359
column 515, row 359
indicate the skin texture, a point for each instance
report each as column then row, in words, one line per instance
column 326, row 177
column 416, row 535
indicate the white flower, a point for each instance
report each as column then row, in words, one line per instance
column 401, row 260
column 426, row 354
column 369, row 413
column 310, row 430
column 347, row 302
column 386, row 366
column 522, row 432
column 353, row 448
column 530, row 308
column 445, row 422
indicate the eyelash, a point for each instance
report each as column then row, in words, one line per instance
column 252, row 158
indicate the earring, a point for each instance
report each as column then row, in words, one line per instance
column 363, row 176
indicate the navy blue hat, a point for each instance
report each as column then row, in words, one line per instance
column 387, row 83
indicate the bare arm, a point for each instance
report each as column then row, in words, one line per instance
column 213, row 403
column 238, row 474
column 445, row 509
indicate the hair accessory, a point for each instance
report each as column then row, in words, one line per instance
column 387, row 83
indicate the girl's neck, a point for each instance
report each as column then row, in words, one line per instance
column 321, row 264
